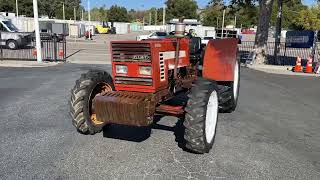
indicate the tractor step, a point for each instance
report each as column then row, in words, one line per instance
column 173, row 110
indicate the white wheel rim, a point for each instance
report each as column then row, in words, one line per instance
column 211, row 117
column 236, row 80
column 12, row 45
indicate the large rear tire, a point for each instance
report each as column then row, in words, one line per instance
column 201, row 116
column 90, row 85
column 229, row 92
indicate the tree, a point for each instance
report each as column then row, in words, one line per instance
column 212, row 15
column 265, row 7
column 118, row 14
column 49, row 7
column 99, row 14
column 310, row 18
column 182, row 8
column 6, row 6
column 290, row 11
column 246, row 12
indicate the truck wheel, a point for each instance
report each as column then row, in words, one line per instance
column 201, row 116
column 12, row 44
column 228, row 94
column 90, row 85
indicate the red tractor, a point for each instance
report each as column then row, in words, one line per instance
column 146, row 75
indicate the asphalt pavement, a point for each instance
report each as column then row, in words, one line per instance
column 274, row 133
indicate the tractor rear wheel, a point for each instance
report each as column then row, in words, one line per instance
column 92, row 84
column 228, row 93
column 201, row 116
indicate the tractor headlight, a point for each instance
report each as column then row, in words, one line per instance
column 145, row 70
column 121, row 69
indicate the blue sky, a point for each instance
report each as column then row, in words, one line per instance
column 146, row 4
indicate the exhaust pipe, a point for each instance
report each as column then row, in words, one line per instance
column 179, row 33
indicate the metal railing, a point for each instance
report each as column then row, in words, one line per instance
column 53, row 49
column 286, row 56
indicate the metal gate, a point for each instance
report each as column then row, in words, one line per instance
column 53, row 48
column 286, row 56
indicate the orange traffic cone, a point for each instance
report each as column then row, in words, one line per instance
column 61, row 53
column 309, row 66
column 297, row 67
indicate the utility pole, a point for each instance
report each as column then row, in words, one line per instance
column 150, row 18
column 156, row 18
column 74, row 14
column 217, row 22
column 64, row 13
column 224, row 13
column 143, row 21
column 81, row 14
column 164, row 15
column 36, row 29
column 89, row 15
column 17, row 14
column 235, row 21
column 278, row 33
column 17, row 9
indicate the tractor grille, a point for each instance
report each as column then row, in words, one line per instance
column 162, row 69
column 123, row 52
column 134, row 81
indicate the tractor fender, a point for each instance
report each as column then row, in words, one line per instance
column 220, row 59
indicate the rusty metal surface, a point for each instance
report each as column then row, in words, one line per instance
column 127, row 108
column 173, row 110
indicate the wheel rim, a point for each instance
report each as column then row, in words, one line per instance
column 211, row 116
column 12, row 45
column 100, row 90
column 236, row 80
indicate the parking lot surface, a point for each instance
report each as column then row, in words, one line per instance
column 274, row 133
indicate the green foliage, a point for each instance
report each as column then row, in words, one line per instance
column 50, row 8
column 290, row 13
column 212, row 15
column 309, row 18
column 245, row 12
column 182, row 8
column 99, row 14
column 7, row 5
column 118, row 14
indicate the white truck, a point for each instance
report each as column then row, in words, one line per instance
column 10, row 35
column 153, row 35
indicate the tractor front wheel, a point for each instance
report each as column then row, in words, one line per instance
column 92, row 84
column 229, row 93
column 201, row 116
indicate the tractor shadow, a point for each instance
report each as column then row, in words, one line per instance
column 140, row 134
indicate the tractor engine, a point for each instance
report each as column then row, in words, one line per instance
column 143, row 74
